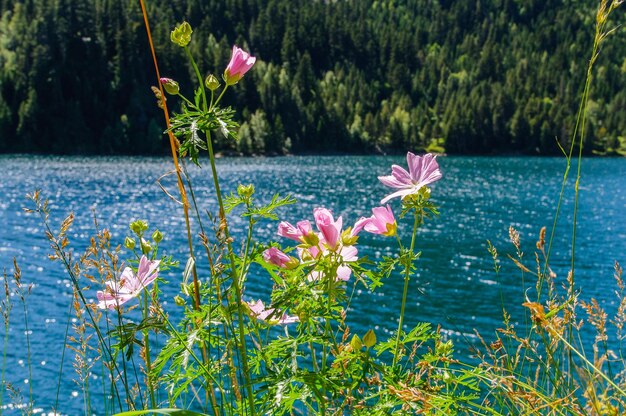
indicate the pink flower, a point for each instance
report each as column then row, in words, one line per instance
column 330, row 229
column 315, row 245
column 240, row 63
column 423, row 170
column 302, row 229
column 276, row 257
column 129, row 285
column 258, row 310
column 382, row 222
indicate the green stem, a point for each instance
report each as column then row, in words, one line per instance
column 197, row 71
column 4, row 359
column 241, row 345
column 30, row 365
column 407, row 275
column 146, row 342
column 219, row 97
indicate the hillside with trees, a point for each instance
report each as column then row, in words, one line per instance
column 353, row 76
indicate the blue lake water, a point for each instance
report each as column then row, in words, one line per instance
column 479, row 199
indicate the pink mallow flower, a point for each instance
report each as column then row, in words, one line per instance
column 240, row 63
column 276, row 257
column 257, row 309
column 330, row 229
column 129, row 285
column 382, row 222
column 302, row 229
column 423, row 170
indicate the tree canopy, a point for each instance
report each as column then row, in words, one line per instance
column 354, row 76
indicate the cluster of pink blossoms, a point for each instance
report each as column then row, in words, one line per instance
column 331, row 239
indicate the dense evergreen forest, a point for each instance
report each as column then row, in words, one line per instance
column 461, row 76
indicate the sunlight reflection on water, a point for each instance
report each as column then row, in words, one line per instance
column 479, row 199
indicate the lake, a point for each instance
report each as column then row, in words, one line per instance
column 455, row 285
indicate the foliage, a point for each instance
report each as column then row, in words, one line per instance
column 344, row 76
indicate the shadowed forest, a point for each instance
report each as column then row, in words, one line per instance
column 464, row 77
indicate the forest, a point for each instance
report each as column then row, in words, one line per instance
column 342, row 76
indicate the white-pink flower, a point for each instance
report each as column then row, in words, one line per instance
column 129, row 284
column 240, row 63
column 423, row 170
column 381, row 222
column 330, row 229
column 258, row 310
column 302, row 229
column 276, row 257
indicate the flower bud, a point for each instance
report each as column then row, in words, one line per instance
column 129, row 243
column 181, row 35
column 245, row 191
column 369, row 340
column 310, row 239
column 145, row 247
column 211, row 82
column 170, row 86
column 157, row 236
column 178, row 300
column 139, row 226
column 356, row 343
column 347, row 238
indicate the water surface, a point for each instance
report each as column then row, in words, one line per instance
column 455, row 285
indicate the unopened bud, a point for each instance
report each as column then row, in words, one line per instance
column 181, row 35
column 245, row 191
column 310, row 239
column 145, row 247
column 369, row 339
column 157, row 236
column 356, row 343
column 129, row 243
column 139, row 226
column 211, row 82
column 171, row 86
column 178, row 300
column 347, row 238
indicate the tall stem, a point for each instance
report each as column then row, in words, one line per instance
column 146, row 342
column 174, row 144
column 236, row 283
column 4, row 358
column 407, row 276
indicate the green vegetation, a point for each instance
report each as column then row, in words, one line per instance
column 465, row 76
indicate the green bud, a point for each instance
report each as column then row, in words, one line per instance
column 211, row 82
column 170, row 86
column 347, row 239
column 356, row 343
column 310, row 239
column 181, row 35
column 444, row 348
column 178, row 300
column 145, row 247
column 139, row 226
column 129, row 243
column 245, row 191
column 292, row 263
column 424, row 192
column 157, row 236
column 369, row 340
